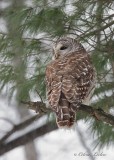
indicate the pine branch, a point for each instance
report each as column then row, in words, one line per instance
column 94, row 32
column 98, row 114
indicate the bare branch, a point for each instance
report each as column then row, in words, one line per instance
column 20, row 126
column 39, row 107
column 7, row 146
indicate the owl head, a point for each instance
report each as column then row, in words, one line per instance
column 65, row 46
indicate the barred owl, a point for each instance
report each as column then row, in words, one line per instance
column 70, row 80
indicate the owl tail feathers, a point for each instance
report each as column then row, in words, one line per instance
column 65, row 114
column 65, row 118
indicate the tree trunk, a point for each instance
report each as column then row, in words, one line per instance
column 19, row 69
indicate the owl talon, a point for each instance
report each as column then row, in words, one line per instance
column 94, row 114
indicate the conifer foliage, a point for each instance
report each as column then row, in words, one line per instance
column 25, row 49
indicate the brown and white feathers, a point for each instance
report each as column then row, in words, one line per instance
column 70, row 80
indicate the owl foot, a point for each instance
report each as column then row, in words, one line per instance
column 96, row 114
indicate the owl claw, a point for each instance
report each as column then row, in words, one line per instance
column 95, row 115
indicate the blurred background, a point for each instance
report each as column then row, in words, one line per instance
column 28, row 29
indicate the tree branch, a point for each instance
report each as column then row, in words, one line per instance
column 94, row 32
column 18, row 127
column 98, row 114
column 7, row 146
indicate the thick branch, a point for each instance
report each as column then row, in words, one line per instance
column 98, row 114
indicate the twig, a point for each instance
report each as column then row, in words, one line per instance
column 97, row 30
column 38, row 106
column 18, row 127
column 39, row 96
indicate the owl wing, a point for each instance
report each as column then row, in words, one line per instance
column 78, row 81
column 53, row 85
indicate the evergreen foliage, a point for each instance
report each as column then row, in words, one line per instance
column 32, row 30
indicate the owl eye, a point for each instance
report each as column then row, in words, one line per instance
column 63, row 48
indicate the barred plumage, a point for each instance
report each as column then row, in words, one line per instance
column 70, row 80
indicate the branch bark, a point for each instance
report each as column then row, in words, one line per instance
column 98, row 114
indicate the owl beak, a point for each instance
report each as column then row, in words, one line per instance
column 57, row 50
column 56, row 53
